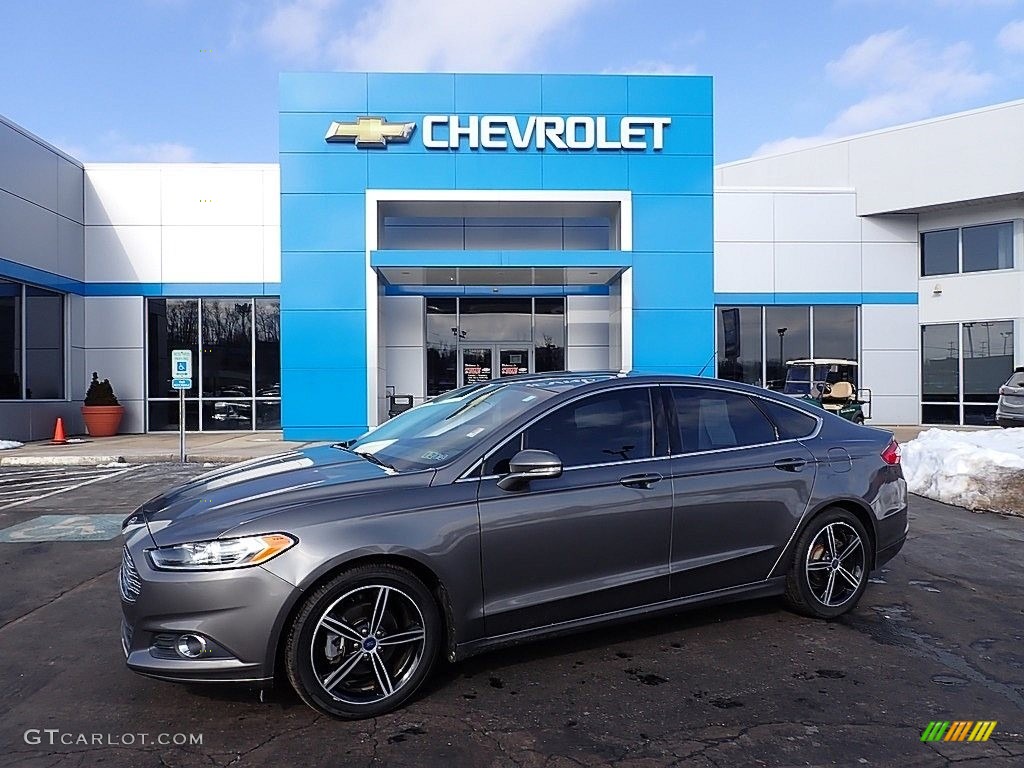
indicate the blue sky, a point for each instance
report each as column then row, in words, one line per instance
column 166, row 80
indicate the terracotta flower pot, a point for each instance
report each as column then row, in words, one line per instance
column 102, row 420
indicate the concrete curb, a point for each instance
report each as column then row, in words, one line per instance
column 91, row 461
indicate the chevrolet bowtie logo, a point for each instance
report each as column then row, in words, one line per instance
column 370, row 131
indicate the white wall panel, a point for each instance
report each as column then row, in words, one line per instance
column 78, row 379
column 822, row 166
column 895, row 410
column 405, row 370
column 211, row 195
column 587, row 358
column 123, row 254
column 890, row 267
column 897, row 228
column 402, row 320
column 745, row 216
column 744, row 267
column 70, row 190
column 126, row 369
column 119, row 193
column 114, row 321
column 272, row 254
column 212, row 254
column 76, row 319
column 28, row 233
column 587, row 319
column 816, row 217
column 817, row 267
column 70, row 248
column 889, row 326
column 272, row 195
column 28, row 169
column 891, row 371
column 982, row 296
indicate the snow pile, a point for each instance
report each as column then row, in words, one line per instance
column 981, row 470
column 7, row 444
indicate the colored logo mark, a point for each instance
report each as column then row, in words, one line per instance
column 958, row 730
column 370, row 131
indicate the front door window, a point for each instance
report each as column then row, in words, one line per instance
column 514, row 362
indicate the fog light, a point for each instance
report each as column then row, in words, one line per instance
column 191, row 646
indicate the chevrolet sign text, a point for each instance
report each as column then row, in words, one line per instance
column 576, row 132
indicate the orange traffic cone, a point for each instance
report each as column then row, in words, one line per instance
column 58, row 433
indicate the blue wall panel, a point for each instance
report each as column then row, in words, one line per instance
column 324, row 374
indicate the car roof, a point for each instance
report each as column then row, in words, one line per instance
column 821, row 361
column 562, row 381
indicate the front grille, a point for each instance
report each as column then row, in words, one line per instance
column 128, row 580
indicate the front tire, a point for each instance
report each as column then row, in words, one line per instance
column 363, row 643
column 831, row 565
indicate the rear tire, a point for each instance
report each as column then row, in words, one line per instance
column 831, row 565
column 364, row 642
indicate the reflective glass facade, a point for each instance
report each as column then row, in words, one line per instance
column 236, row 350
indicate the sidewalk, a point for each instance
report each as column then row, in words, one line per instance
column 146, row 449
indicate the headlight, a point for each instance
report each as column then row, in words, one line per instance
column 221, row 553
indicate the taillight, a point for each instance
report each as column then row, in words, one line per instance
column 892, row 453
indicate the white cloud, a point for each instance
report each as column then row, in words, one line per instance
column 414, row 35
column 904, row 79
column 1011, row 37
column 654, row 67
column 115, row 147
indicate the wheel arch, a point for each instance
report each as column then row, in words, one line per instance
column 419, row 569
column 856, row 507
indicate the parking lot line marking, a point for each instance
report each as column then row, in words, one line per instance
column 71, row 487
column 46, row 481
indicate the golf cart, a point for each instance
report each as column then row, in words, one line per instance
column 829, row 384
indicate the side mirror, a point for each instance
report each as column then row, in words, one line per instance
column 530, row 465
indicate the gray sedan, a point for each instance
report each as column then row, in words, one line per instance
column 498, row 513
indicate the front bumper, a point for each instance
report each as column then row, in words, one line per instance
column 234, row 610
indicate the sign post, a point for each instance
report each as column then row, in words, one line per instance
column 181, row 366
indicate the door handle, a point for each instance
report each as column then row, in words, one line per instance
column 791, row 465
column 641, row 481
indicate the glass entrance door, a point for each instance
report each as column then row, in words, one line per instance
column 477, row 362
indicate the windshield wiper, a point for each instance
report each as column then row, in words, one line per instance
column 370, row 457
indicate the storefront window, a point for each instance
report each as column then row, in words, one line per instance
column 988, row 362
column 940, row 252
column 740, row 352
column 835, row 332
column 787, row 333
column 495, row 319
column 442, row 345
column 988, row 247
column 940, row 374
column 44, row 344
column 240, row 357
column 549, row 334
column 10, row 340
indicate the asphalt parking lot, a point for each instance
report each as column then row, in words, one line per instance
column 938, row 636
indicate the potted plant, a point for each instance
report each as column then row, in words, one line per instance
column 101, row 411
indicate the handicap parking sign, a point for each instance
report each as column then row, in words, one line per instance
column 181, row 363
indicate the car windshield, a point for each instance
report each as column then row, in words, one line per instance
column 798, row 380
column 444, row 428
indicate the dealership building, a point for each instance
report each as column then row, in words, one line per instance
column 425, row 231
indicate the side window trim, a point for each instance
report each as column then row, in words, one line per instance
column 476, row 469
column 677, row 448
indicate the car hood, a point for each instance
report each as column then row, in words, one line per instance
column 214, row 503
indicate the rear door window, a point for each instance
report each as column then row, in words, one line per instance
column 791, row 423
column 711, row 419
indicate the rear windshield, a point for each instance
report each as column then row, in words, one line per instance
column 1015, row 380
column 442, row 429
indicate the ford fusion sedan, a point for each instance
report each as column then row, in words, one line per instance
column 501, row 512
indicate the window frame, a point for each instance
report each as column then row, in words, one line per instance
column 676, row 447
column 65, row 341
column 476, row 468
column 959, row 229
